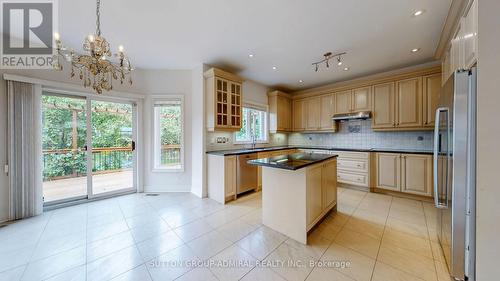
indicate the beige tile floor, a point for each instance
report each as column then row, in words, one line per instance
column 178, row 236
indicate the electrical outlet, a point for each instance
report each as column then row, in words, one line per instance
column 6, row 168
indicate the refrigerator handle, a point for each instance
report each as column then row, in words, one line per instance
column 436, row 157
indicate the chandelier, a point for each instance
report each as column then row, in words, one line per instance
column 99, row 66
column 326, row 59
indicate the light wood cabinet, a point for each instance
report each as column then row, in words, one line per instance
column 406, row 104
column 314, row 193
column 432, row 88
column 230, row 176
column 299, row 115
column 321, row 190
column 407, row 173
column 353, row 100
column 343, row 102
column 280, row 112
column 388, row 172
column 416, row 176
column 221, row 177
column 329, row 178
column 469, row 31
column 313, row 114
column 326, row 113
column 409, row 103
column 224, row 96
column 384, row 106
column 361, row 99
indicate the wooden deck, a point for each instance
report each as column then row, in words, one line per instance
column 73, row 187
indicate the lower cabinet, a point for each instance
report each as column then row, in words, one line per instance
column 221, row 177
column 407, row 173
column 321, row 190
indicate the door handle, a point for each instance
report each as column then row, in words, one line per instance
column 436, row 157
column 133, row 145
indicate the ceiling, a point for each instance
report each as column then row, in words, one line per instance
column 288, row 34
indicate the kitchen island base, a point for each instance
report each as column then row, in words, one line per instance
column 294, row 201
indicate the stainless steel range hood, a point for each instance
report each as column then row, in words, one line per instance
column 351, row 116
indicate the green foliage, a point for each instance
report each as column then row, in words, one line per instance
column 170, row 124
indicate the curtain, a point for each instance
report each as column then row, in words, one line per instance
column 25, row 149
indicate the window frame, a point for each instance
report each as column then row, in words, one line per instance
column 259, row 107
column 158, row 99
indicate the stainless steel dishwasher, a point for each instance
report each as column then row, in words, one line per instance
column 246, row 174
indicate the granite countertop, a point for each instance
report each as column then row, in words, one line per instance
column 292, row 161
column 274, row 148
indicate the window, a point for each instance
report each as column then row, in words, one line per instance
column 168, row 135
column 254, row 126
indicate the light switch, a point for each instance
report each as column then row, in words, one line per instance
column 6, row 168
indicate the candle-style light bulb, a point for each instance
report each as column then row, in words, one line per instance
column 120, row 48
column 57, row 36
column 91, row 38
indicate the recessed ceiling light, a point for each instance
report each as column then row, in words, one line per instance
column 251, row 55
column 274, row 68
column 415, row 50
column 346, row 68
column 339, row 63
column 301, row 81
column 418, row 13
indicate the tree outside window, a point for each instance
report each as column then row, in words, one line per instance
column 253, row 126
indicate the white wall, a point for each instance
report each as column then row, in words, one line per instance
column 198, row 157
column 488, row 134
column 146, row 83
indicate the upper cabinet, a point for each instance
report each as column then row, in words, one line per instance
column 463, row 50
column 406, row 104
column 280, row 112
column 409, row 103
column 326, row 113
column 361, row 99
column 353, row 100
column 314, row 114
column 384, row 106
column 299, row 115
column 224, row 98
column 432, row 88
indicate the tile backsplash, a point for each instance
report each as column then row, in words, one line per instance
column 225, row 140
column 358, row 134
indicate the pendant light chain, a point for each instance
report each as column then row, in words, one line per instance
column 98, row 20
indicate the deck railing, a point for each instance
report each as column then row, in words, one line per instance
column 69, row 163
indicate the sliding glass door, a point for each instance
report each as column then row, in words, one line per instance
column 88, row 147
column 64, row 142
column 113, row 147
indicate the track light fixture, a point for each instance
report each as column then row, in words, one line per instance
column 327, row 58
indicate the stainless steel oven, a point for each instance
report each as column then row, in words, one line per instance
column 246, row 174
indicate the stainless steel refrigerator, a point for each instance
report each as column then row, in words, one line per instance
column 454, row 172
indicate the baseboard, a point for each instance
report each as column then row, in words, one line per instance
column 171, row 188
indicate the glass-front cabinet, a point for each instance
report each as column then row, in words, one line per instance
column 224, row 96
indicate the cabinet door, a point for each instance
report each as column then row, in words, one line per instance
column 409, row 103
column 313, row 113
column 326, row 111
column 222, row 102
column 298, row 115
column 432, row 88
column 361, row 99
column 383, row 106
column 469, row 23
column 230, row 175
column 416, row 176
column 314, row 193
column 343, row 102
column 286, row 113
column 329, row 174
column 388, row 171
column 235, row 105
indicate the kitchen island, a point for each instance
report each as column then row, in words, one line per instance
column 298, row 190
